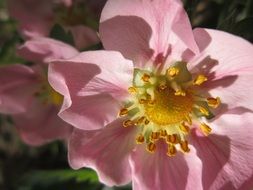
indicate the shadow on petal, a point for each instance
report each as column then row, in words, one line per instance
column 129, row 35
column 214, row 151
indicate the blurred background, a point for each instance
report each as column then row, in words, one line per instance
column 46, row 168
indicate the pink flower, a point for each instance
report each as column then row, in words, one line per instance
column 177, row 116
column 37, row 18
column 26, row 95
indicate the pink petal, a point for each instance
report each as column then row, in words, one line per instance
column 227, row 153
column 84, row 37
column 35, row 17
column 40, row 124
column 227, row 61
column 106, row 151
column 139, row 29
column 89, row 85
column 17, row 85
column 42, row 49
column 160, row 172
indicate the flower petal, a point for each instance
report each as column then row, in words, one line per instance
column 89, row 85
column 40, row 126
column 106, row 151
column 227, row 153
column 35, row 17
column 158, row 171
column 83, row 36
column 42, row 49
column 140, row 28
column 227, row 62
column 17, row 85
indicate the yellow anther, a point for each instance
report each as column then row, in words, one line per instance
column 145, row 77
column 171, row 150
column 151, row 102
column 200, row 80
column 162, row 86
column 140, row 139
column 213, row 102
column 132, row 90
column 163, row 133
column 147, row 122
column 206, row 130
column 184, row 146
column 172, row 71
column 151, row 147
column 127, row 123
column 204, row 111
column 188, row 119
column 172, row 139
column 184, row 128
column 142, row 101
column 123, row 112
column 140, row 120
column 180, row 93
column 154, row 136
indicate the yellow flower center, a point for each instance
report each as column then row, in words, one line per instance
column 167, row 108
column 165, row 105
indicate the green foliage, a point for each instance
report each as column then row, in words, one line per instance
column 59, row 33
column 59, row 179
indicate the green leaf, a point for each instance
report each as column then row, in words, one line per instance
column 59, row 33
column 59, row 179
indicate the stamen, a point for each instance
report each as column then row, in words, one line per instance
column 180, row 93
column 184, row 146
column 203, row 111
column 127, row 123
column 142, row 101
column 145, row 77
column 123, row 112
column 140, row 139
column 213, row 102
column 162, row 86
column 184, row 128
column 132, row 90
column 188, row 119
column 140, row 120
column 206, row 130
column 172, row 72
column 163, row 133
column 147, row 122
column 200, row 80
column 171, row 150
column 154, row 136
column 172, row 139
column 151, row 147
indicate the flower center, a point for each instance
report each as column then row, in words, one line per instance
column 165, row 105
column 167, row 108
column 48, row 95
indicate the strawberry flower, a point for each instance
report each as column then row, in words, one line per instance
column 37, row 18
column 26, row 95
column 163, row 106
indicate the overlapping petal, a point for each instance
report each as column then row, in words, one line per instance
column 158, row 171
column 42, row 50
column 227, row 61
column 40, row 124
column 90, row 103
column 17, row 84
column 106, row 151
column 227, row 153
column 35, row 17
column 142, row 33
